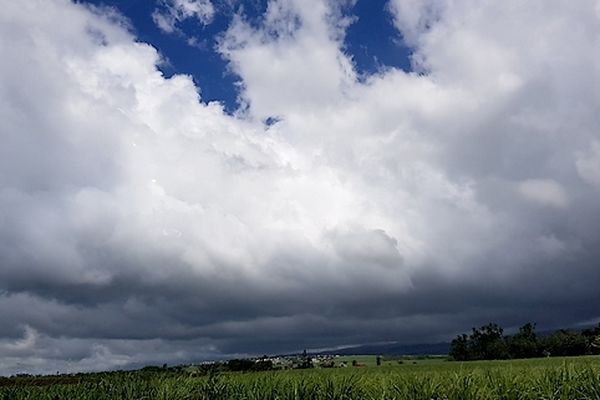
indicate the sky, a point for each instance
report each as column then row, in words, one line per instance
column 185, row 180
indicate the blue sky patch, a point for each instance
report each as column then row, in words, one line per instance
column 371, row 40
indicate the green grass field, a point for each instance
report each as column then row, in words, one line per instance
column 371, row 361
column 556, row 378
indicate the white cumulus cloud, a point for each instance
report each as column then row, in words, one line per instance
column 170, row 13
column 137, row 219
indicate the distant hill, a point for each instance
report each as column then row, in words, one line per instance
column 393, row 349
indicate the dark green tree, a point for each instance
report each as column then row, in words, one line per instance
column 593, row 337
column 240, row 365
column 460, row 348
column 487, row 343
column 565, row 343
column 524, row 344
column 305, row 361
column 595, row 345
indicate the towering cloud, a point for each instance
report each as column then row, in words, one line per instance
column 139, row 223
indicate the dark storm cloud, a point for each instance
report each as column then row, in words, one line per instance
column 141, row 225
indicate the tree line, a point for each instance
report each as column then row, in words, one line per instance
column 489, row 343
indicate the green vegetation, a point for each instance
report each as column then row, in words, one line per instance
column 490, row 343
column 387, row 361
column 547, row 378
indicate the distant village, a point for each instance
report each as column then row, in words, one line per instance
column 281, row 362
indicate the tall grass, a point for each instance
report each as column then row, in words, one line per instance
column 537, row 379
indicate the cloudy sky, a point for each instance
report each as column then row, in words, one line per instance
column 196, row 179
